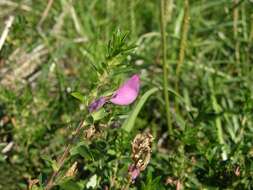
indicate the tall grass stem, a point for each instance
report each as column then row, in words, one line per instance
column 165, row 66
column 183, row 45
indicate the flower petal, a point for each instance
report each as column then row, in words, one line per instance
column 95, row 105
column 133, row 171
column 128, row 92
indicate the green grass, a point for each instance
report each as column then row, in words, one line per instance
column 91, row 47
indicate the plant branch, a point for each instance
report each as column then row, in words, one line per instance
column 62, row 159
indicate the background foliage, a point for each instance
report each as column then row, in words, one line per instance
column 91, row 47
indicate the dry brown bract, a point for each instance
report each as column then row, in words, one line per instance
column 141, row 150
column 141, row 154
column 176, row 182
column 89, row 132
column 72, row 170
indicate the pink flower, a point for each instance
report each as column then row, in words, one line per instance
column 125, row 95
column 133, row 172
column 128, row 92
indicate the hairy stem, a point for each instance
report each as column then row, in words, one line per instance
column 62, row 159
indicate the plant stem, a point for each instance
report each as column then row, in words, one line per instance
column 251, row 30
column 165, row 67
column 126, row 187
column 183, row 42
column 220, row 135
column 45, row 13
column 61, row 160
column 132, row 18
column 183, row 45
column 218, row 123
column 235, row 18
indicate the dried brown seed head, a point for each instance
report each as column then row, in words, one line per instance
column 141, row 150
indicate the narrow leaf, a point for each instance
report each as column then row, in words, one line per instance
column 129, row 122
column 78, row 96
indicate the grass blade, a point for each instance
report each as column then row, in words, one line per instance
column 129, row 122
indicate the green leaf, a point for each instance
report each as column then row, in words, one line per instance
column 71, row 185
column 41, row 180
column 82, row 150
column 98, row 115
column 78, row 96
column 54, row 165
column 129, row 122
column 92, row 182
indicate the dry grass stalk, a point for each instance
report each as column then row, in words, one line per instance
column 6, row 30
column 57, row 28
column 15, row 5
column 24, row 67
column 45, row 13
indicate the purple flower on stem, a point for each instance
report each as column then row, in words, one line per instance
column 128, row 92
column 124, row 95
column 95, row 105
